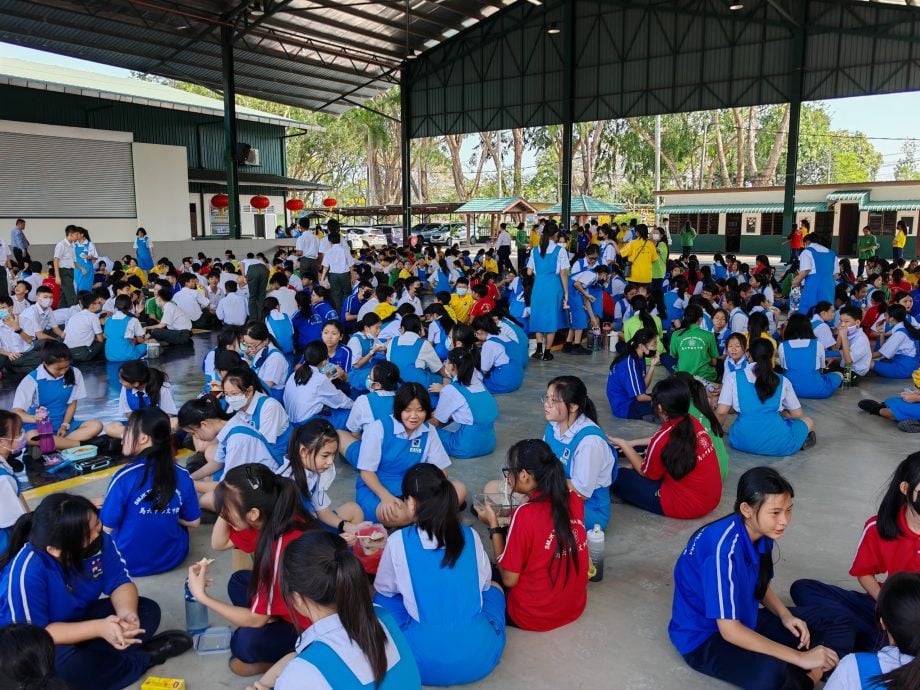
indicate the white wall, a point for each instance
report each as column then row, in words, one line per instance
column 161, row 189
column 274, row 214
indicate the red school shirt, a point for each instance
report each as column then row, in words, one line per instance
column 875, row 556
column 698, row 493
column 544, row 599
column 268, row 600
column 482, row 306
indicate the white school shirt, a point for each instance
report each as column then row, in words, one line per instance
column 133, row 329
column 214, row 297
column 19, row 306
column 898, row 342
column 608, row 253
column 287, row 300
column 11, row 341
column 860, row 352
column 729, row 395
column 414, row 301
column 562, row 260
column 63, row 252
column 242, row 448
column 308, row 245
column 824, row 334
column 846, row 675
column 354, row 344
column 36, row 320
column 174, row 318
column 368, row 307
column 35, row 280
column 233, row 309
column 338, row 259
column 191, row 302
column 617, row 286
column 167, row 402
column 10, row 505
column 492, row 355
column 299, row 673
column 797, row 343
column 302, row 402
column 393, row 575
column 109, row 306
column 62, row 316
column 737, row 321
column 503, row 239
column 372, row 444
column 361, row 414
column 592, row 463
column 273, row 420
column 807, row 263
column 317, row 483
column 82, row 329
column 427, row 359
column 27, row 390
column 453, row 406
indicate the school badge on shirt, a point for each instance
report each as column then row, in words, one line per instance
column 416, row 446
column 95, row 566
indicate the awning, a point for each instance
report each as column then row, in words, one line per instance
column 583, row 205
column 893, row 205
column 805, row 207
column 507, row 204
column 250, row 179
column 859, row 195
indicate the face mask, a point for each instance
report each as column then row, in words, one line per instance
column 91, row 549
column 461, row 291
column 4, row 313
column 244, row 348
column 852, row 330
column 44, row 302
column 235, row 402
column 656, row 236
column 915, row 504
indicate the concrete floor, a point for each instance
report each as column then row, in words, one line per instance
column 621, row 640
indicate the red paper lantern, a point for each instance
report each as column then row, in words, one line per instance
column 220, row 201
column 294, row 205
column 329, row 202
column 260, row 202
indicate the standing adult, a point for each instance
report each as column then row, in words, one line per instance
column 307, row 248
column 522, row 242
column 900, row 239
column 866, row 247
column 503, row 249
column 84, row 261
column 337, row 263
column 64, row 261
column 143, row 248
column 818, row 268
column 549, row 264
column 257, row 280
column 4, row 265
column 641, row 254
column 687, row 236
column 20, row 244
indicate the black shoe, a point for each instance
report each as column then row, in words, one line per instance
column 871, row 406
column 538, row 354
column 581, row 350
column 548, row 356
column 810, row 441
column 567, row 348
column 167, row 645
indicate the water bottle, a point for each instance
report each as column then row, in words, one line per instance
column 196, row 613
column 596, row 339
column 45, row 430
column 596, row 552
column 847, row 376
column 795, row 296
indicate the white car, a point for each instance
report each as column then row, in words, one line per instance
column 357, row 236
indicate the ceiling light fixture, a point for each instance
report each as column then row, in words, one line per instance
column 735, row 6
column 553, row 29
column 256, row 8
column 535, row 2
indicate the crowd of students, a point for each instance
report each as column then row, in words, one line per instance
column 339, row 359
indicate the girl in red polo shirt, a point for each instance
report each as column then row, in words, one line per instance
column 543, row 561
column 679, row 476
column 890, row 543
column 260, row 514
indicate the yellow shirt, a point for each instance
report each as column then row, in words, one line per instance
column 641, row 254
column 491, row 265
column 900, row 239
column 129, row 271
column 534, row 239
column 404, row 274
column 461, row 306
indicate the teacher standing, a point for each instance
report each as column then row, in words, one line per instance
column 549, row 264
column 818, row 269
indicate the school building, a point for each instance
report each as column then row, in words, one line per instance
column 113, row 153
column 750, row 220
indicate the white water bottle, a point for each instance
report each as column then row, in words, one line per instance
column 596, row 552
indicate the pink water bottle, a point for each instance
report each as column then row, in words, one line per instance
column 45, row 431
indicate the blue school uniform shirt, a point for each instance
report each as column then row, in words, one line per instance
column 341, row 358
column 36, row 589
column 149, row 541
column 715, row 578
column 625, row 382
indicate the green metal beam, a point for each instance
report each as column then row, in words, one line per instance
column 229, row 89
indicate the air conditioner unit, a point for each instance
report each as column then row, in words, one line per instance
column 252, row 157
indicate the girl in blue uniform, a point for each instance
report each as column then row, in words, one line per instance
column 312, row 468
column 500, row 373
column 125, row 338
column 466, row 412
column 144, row 249
column 351, row 644
column 279, row 325
column 315, row 311
column 519, row 300
column 263, row 355
column 246, row 397
column 549, row 264
column 150, row 503
column 142, row 387
column 439, row 327
column 415, row 356
column 770, row 419
column 56, row 386
column 386, row 451
column 896, row 357
column 59, row 565
column 455, row 639
column 12, row 502
column 512, row 333
column 630, row 377
column 310, row 392
column 227, row 339
column 720, row 581
column 801, row 354
column 377, row 403
column 336, row 353
column 84, row 262
column 581, row 445
column 366, row 350
column 735, row 354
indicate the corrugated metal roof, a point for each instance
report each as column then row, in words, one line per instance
column 248, row 179
column 315, row 54
column 849, row 195
column 893, row 205
column 806, row 207
column 582, row 205
column 498, row 205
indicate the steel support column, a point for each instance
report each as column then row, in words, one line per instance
column 405, row 143
column 795, row 115
column 568, row 56
column 230, row 162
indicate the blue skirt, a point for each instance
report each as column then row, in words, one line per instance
column 506, row 378
column 546, row 305
column 467, row 440
column 902, row 410
column 815, row 385
column 900, row 367
column 777, row 437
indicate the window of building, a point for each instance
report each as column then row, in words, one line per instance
column 771, row 224
column 705, row 223
column 824, row 224
column 883, row 223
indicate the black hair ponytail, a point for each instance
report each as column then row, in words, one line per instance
column 158, row 459
column 314, row 354
column 573, row 391
column 679, row 455
column 643, row 336
column 386, row 374
column 465, row 363
column 700, row 400
column 890, row 509
column 692, row 314
column 61, row 521
column 640, row 306
column 27, row 658
column 899, row 314
column 137, row 371
column 767, row 380
column 899, row 610
column 437, row 509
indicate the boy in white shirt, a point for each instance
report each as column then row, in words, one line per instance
column 16, row 348
column 233, row 309
column 83, row 334
column 287, row 298
column 854, row 346
column 38, row 320
column 174, row 327
column 195, row 305
column 20, row 297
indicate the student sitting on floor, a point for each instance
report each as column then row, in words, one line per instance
column 56, row 387
column 770, row 419
column 174, row 326
column 903, row 408
column 17, row 349
column 720, row 581
column 260, row 513
column 233, row 309
column 500, row 374
column 244, row 395
column 262, row 354
column 439, row 325
column 150, row 503
column 12, row 502
column 852, row 343
column 37, row 321
column 629, row 377
column 142, row 386
column 309, row 392
column 415, row 357
column 314, row 311
column 896, row 665
column 279, row 324
column 337, row 354
column 377, row 403
column 735, row 354
column 679, row 474
column 228, row 338
column 896, row 357
column 702, row 411
column 801, row 354
column 83, row 333
column 27, row 658
column 455, row 639
column 125, row 338
column 888, row 545
column 695, row 350
column 366, row 351
column 194, row 304
column 466, row 411
column 542, row 556
column 59, row 565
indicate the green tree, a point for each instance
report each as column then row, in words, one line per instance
column 908, row 166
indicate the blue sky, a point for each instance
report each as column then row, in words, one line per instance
column 886, row 120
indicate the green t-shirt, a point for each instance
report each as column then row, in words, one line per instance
column 687, row 236
column 522, row 239
column 866, row 246
column 695, row 349
column 634, row 323
column 152, row 310
column 718, row 442
column 660, row 267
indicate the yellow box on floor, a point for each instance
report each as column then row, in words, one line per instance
column 155, row 683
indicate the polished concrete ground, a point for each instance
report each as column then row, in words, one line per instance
column 621, row 640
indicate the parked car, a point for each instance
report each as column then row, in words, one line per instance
column 358, row 235
column 393, row 233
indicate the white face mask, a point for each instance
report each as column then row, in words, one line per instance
column 656, row 236
column 461, row 291
column 44, row 302
column 235, row 402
